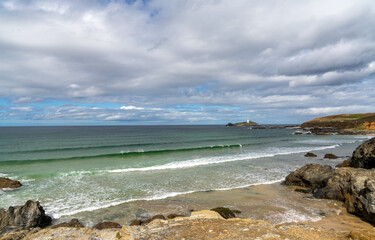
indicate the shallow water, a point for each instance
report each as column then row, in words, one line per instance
column 89, row 171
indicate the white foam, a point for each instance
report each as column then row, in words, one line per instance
column 222, row 159
column 292, row 215
column 3, row 174
column 248, row 185
column 94, row 207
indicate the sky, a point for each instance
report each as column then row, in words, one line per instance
column 151, row 62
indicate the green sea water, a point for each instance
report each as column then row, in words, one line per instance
column 79, row 169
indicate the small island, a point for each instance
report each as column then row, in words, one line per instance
column 243, row 124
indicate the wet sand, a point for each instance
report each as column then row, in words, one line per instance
column 270, row 202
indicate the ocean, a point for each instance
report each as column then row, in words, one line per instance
column 88, row 169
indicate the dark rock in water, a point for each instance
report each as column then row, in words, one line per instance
column 310, row 154
column 30, row 215
column 364, row 155
column 159, row 216
column 74, row 223
column 330, row 156
column 107, row 225
column 355, row 187
column 310, row 176
column 224, row 212
column 135, row 222
column 9, row 183
column 230, row 125
column 345, row 163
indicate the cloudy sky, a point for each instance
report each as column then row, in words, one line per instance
column 83, row 62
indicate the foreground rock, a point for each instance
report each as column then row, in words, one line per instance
column 9, row 183
column 74, row 223
column 364, row 155
column 30, row 215
column 355, row 187
column 202, row 225
column 310, row 176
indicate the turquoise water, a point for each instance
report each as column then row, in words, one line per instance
column 75, row 169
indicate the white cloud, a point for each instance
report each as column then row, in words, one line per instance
column 267, row 56
column 24, row 109
column 131, row 108
column 23, row 100
column 336, row 110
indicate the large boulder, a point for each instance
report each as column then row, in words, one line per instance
column 9, row 183
column 310, row 176
column 364, row 155
column 355, row 187
column 30, row 215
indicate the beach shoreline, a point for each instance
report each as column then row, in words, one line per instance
column 273, row 203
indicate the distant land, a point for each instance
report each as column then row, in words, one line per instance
column 342, row 123
column 242, row 124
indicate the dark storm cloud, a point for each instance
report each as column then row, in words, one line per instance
column 269, row 56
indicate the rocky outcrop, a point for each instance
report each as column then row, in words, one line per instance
column 202, row 225
column 355, row 187
column 9, row 183
column 30, row 215
column 310, row 176
column 310, row 154
column 364, row 155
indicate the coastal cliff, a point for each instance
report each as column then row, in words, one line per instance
column 344, row 122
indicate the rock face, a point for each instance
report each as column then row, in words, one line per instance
column 355, row 187
column 364, row 155
column 9, row 183
column 30, row 215
column 310, row 176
